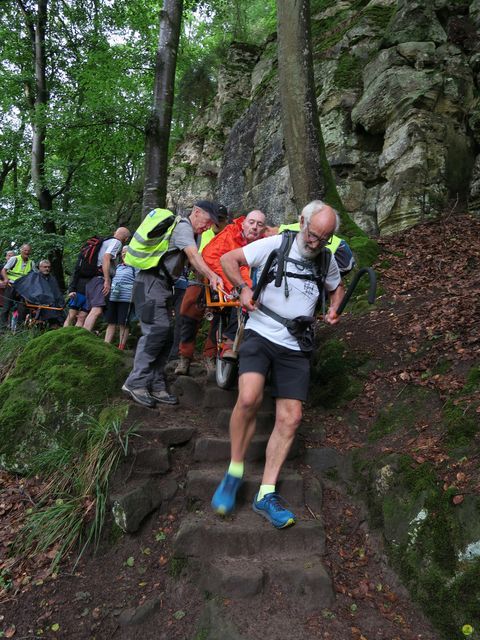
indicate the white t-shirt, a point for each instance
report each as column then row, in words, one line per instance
column 303, row 294
column 111, row 246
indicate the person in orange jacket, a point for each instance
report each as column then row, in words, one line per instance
column 239, row 233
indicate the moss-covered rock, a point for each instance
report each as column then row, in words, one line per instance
column 60, row 377
column 414, row 404
column 333, row 374
column 434, row 544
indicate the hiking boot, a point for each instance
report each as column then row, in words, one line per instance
column 271, row 508
column 140, row 396
column 223, row 500
column 183, row 367
column 164, row 397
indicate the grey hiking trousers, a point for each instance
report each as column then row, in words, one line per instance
column 152, row 299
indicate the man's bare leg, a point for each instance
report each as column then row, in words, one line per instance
column 93, row 315
column 288, row 415
column 242, row 428
column 244, row 414
column 267, row 502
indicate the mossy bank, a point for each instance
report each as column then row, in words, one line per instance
column 61, row 378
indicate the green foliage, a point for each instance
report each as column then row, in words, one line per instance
column 348, row 72
column 72, row 511
column 379, row 15
column 461, row 423
column 59, row 376
column 365, row 249
column 460, row 415
column 329, row 30
column 402, row 413
column 11, row 346
column 333, row 382
column 176, row 566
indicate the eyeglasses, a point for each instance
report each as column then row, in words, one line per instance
column 322, row 241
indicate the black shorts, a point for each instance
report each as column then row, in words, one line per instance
column 118, row 312
column 290, row 369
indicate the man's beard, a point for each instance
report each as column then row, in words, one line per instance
column 307, row 252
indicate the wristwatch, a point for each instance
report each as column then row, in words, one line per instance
column 241, row 286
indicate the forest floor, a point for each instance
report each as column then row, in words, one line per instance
column 429, row 298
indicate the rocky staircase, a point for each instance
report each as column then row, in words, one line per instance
column 242, row 555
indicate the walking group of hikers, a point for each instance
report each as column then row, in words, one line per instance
column 278, row 333
column 294, row 267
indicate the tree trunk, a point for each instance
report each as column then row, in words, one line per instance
column 301, row 127
column 37, row 26
column 158, row 126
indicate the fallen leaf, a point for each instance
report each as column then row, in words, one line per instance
column 10, row 632
column 458, row 499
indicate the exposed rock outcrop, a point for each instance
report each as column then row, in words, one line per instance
column 397, row 87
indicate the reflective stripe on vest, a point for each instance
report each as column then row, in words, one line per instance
column 16, row 271
column 144, row 252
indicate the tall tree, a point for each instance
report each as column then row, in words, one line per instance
column 159, row 122
column 310, row 173
column 301, row 126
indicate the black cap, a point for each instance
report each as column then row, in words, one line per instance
column 210, row 207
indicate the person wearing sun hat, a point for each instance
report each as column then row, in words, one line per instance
column 161, row 263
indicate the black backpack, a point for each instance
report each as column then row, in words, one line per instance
column 277, row 269
column 87, row 258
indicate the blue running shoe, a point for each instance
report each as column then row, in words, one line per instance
column 271, row 508
column 224, row 497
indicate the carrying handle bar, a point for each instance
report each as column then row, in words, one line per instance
column 372, row 291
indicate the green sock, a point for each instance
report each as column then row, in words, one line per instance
column 264, row 489
column 236, row 469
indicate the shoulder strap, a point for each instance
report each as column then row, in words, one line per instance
column 288, row 237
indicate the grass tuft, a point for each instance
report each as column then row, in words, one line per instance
column 71, row 513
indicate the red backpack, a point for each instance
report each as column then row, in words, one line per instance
column 88, row 257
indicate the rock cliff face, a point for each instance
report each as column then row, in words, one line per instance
column 398, row 93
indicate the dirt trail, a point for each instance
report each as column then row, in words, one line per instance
column 243, row 580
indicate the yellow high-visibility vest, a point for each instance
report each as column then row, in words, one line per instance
column 16, row 271
column 144, row 252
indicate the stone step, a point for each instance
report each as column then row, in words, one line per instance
column 303, row 577
column 150, row 460
column 190, row 393
column 132, row 505
column 216, row 398
column 168, row 436
column 201, row 484
column 206, row 536
column 265, row 420
column 217, row 449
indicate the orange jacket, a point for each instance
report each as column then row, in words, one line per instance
column 230, row 238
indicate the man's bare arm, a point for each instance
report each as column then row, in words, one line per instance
column 198, row 263
column 107, row 258
column 231, row 263
column 336, row 298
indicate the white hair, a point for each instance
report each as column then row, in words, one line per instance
column 44, row 261
column 315, row 207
